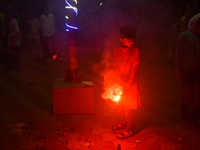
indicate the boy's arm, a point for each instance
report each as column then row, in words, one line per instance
column 136, row 63
column 135, row 66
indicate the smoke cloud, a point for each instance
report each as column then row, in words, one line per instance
column 99, row 26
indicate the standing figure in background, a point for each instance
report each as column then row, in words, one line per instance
column 172, row 40
column 187, row 63
column 14, row 43
column 48, row 33
column 33, row 25
column 185, row 18
column 125, row 69
column 5, row 18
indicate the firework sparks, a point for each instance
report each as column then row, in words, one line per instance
column 113, row 93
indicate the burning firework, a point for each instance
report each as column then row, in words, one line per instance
column 55, row 56
column 113, row 93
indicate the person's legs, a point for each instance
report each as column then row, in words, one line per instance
column 32, row 49
column 121, row 119
column 51, row 45
column 14, row 57
column 38, row 48
column 187, row 89
column 5, row 51
column 185, row 105
column 196, row 99
column 195, row 103
column 129, row 117
column 46, row 46
column 191, row 98
column 17, row 52
column 128, row 132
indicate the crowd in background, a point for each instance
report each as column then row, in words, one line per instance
column 38, row 28
column 35, row 34
column 179, row 24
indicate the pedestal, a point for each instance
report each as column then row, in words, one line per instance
column 72, row 98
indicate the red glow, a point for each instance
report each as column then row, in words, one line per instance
column 117, row 98
column 55, row 56
column 113, row 93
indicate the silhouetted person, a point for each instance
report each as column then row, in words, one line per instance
column 187, row 63
column 9, row 9
column 185, row 18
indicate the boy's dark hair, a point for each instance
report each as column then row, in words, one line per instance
column 127, row 31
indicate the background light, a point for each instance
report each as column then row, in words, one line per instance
column 69, row 6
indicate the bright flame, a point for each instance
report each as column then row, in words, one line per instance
column 117, row 98
column 55, row 56
column 113, row 93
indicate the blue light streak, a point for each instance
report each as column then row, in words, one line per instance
column 75, row 10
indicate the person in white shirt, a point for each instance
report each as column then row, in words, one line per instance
column 48, row 31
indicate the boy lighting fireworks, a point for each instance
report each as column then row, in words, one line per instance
column 124, row 76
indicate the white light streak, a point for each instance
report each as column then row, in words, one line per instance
column 75, row 1
column 67, row 17
column 74, row 8
column 69, row 7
